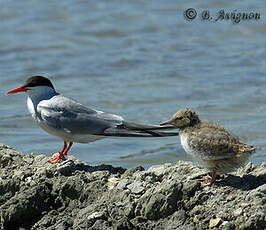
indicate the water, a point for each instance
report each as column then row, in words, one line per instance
column 139, row 59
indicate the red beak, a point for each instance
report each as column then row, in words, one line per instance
column 17, row 90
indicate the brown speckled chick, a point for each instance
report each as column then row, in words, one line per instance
column 209, row 143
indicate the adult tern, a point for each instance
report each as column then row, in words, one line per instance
column 73, row 122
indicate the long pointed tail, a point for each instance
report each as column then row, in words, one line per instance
column 123, row 132
column 135, row 126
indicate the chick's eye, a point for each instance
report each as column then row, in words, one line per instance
column 179, row 118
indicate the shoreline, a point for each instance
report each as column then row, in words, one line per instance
column 73, row 195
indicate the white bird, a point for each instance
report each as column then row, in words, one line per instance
column 73, row 122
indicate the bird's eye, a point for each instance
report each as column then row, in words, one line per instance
column 179, row 118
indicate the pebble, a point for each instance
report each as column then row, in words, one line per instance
column 195, row 219
column 215, row 222
column 65, row 166
column 238, row 212
column 96, row 215
column 112, row 182
column 122, row 184
column 136, row 187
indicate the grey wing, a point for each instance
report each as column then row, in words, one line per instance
column 70, row 116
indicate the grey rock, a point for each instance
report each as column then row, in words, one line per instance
column 238, row 212
column 136, row 187
column 65, row 166
column 122, row 184
column 96, row 216
column 35, row 194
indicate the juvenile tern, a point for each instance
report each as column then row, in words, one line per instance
column 210, row 144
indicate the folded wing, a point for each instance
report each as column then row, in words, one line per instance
column 69, row 116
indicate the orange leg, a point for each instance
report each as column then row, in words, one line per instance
column 62, row 153
column 70, row 144
column 210, row 179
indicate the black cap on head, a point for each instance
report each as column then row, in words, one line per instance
column 38, row 81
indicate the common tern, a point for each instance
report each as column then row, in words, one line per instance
column 73, row 122
column 211, row 144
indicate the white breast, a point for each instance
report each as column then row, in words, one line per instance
column 184, row 139
column 31, row 108
column 197, row 155
column 64, row 134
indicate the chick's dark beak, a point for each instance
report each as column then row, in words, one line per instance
column 170, row 122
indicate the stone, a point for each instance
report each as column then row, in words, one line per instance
column 35, row 194
column 215, row 222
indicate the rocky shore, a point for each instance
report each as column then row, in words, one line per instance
column 73, row 195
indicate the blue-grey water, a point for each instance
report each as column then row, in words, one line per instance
column 139, row 59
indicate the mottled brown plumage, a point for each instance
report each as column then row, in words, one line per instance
column 210, row 144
